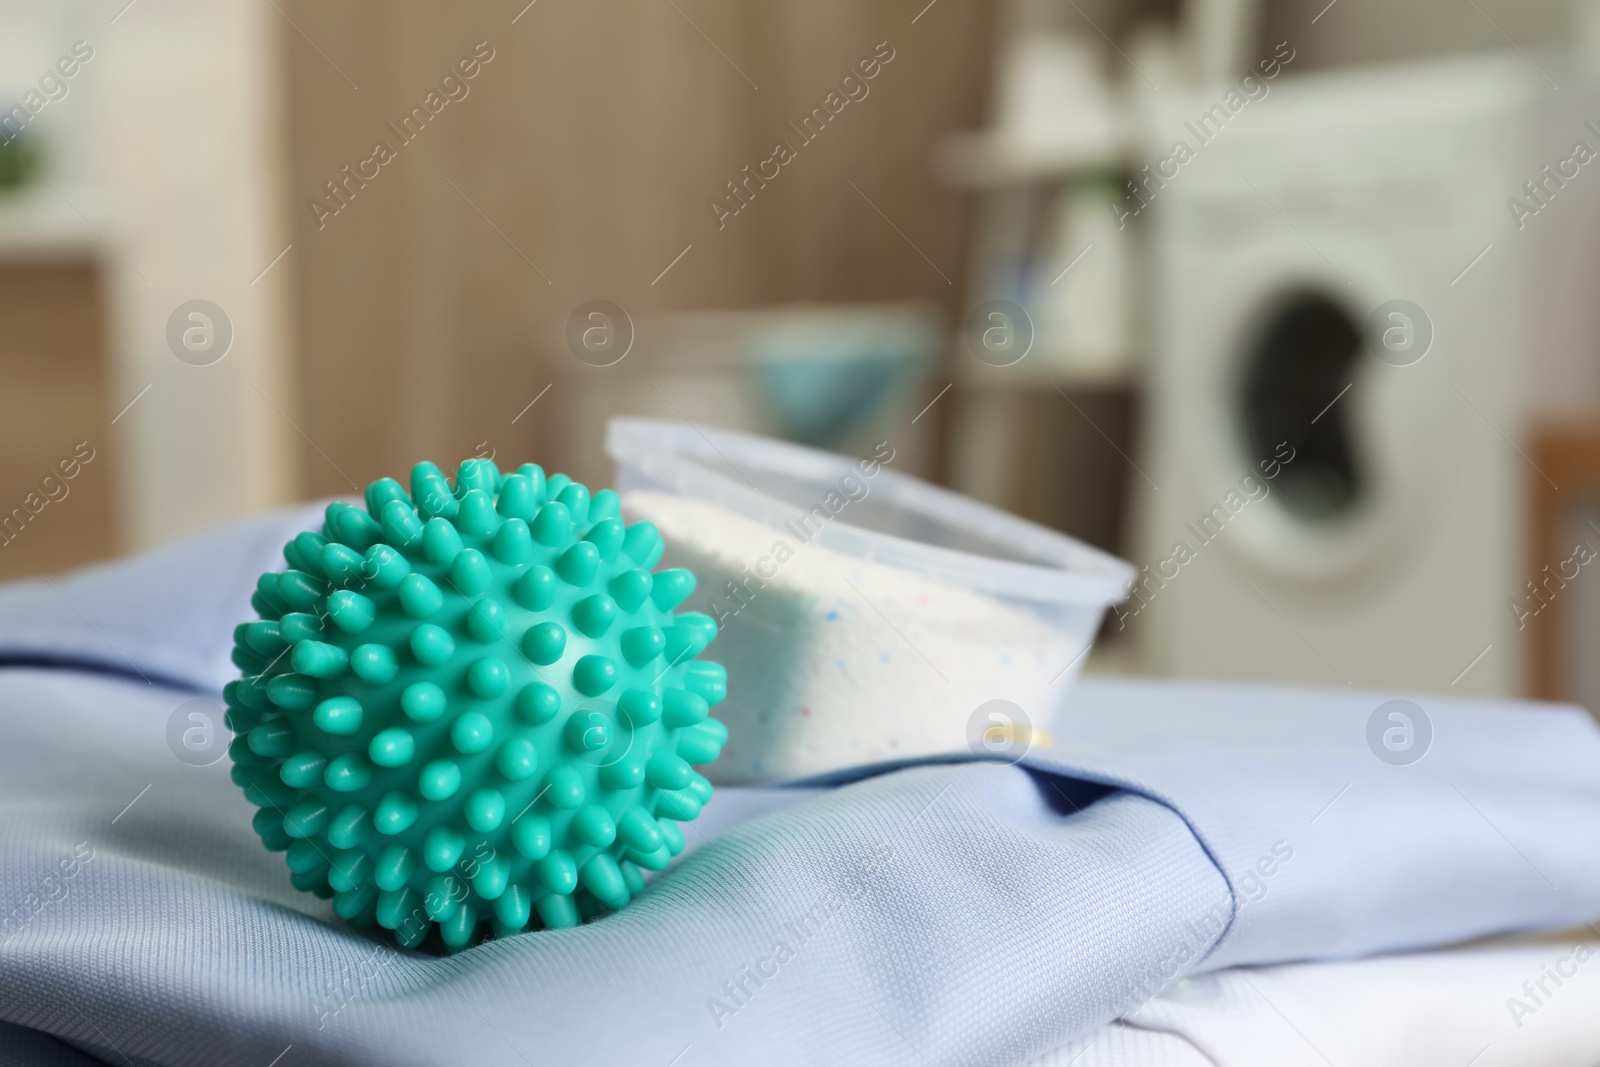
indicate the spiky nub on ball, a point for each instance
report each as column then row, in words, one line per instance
column 473, row 705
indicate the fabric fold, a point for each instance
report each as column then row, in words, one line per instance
column 165, row 616
column 947, row 914
column 956, row 912
column 1524, row 1004
column 1332, row 852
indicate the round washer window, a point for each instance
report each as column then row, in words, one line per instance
column 1302, row 360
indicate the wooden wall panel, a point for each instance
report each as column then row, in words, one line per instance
column 53, row 411
column 581, row 162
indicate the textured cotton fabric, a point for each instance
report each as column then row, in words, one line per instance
column 1493, row 830
column 1529, row 1004
column 959, row 913
column 165, row 616
column 947, row 912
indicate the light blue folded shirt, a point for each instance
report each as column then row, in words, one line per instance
column 949, row 913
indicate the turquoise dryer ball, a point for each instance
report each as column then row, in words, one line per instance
column 473, row 706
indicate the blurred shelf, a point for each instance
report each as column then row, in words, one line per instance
column 38, row 223
column 1038, row 371
column 982, row 159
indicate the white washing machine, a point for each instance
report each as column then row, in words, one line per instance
column 1336, row 399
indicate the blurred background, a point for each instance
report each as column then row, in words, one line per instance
column 1292, row 304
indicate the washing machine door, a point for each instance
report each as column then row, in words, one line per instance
column 1313, row 402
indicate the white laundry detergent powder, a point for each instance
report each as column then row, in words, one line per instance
column 837, row 662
